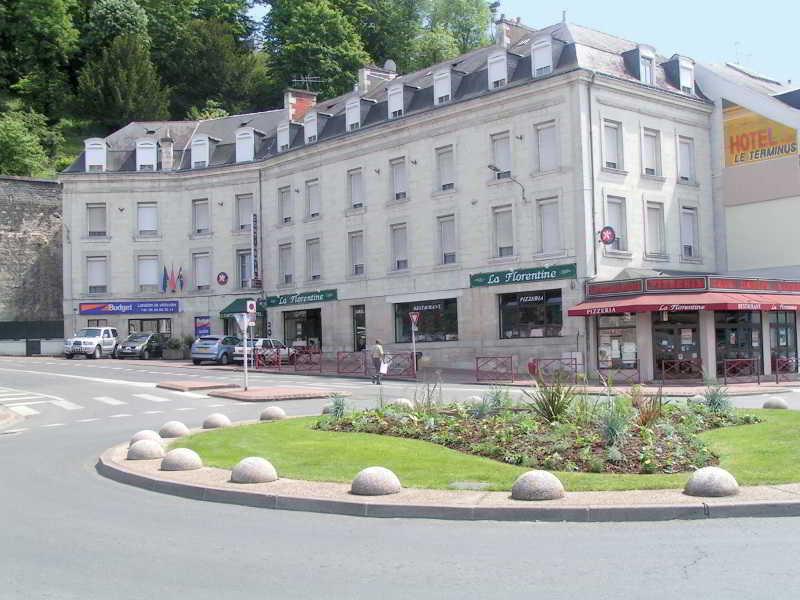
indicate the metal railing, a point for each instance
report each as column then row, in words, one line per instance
column 308, row 362
column 268, row 359
column 740, row 370
column 494, row 368
column 784, row 368
column 351, row 363
column 681, row 369
column 627, row 375
column 548, row 369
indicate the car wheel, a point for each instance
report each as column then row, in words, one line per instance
column 115, row 352
column 98, row 353
column 196, row 361
column 224, row 359
column 146, row 355
column 68, row 356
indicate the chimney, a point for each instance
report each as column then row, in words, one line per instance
column 370, row 77
column 298, row 103
column 502, row 32
column 167, row 144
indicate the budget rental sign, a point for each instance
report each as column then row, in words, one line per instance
column 751, row 138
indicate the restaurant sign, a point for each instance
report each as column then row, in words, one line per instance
column 524, row 275
column 302, row 298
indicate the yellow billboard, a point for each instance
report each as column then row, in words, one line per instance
column 751, row 138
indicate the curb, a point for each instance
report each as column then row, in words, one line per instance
column 110, row 469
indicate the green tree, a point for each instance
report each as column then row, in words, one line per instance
column 121, row 85
column 467, row 20
column 212, row 110
column 108, row 19
column 432, row 46
column 312, row 37
column 21, row 153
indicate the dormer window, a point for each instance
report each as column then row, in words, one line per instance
column 145, row 155
column 353, row 114
column 442, row 87
column 498, row 70
column 541, row 58
column 95, row 155
column 245, row 144
column 395, row 101
column 310, row 127
column 647, row 65
column 283, row 137
column 686, row 73
column 200, row 151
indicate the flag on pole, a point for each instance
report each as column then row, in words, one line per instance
column 180, row 277
column 172, row 281
column 164, row 280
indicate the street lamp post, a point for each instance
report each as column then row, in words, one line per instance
column 496, row 169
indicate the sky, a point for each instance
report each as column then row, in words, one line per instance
column 761, row 36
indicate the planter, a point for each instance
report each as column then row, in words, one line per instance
column 170, row 354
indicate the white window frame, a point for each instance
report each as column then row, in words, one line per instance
column 543, row 204
column 399, row 179
column 357, row 264
column 311, row 275
column 399, row 259
column 244, row 222
column 285, row 264
column 310, row 123
column 353, row 114
column 100, row 288
column 355, row 187
column 497, row 70
column 542, row 49
column 313, row 212
column 445, row 186
column 448, row 253
column 620, row 244
column 285, row 205
column 541, row 165
column 142, row 285
column 198, row 281
column 245, row 144
column 442, row 87
column 100, row 207
column 655, row 135
column 647, row 58
column 394, row 102
column 496, row 140
column 196, row 230
column 684, row 177
column 695, row 254
column 686, row 75
column 660, row 252
column 146, row 232
column 612, row 125
column 146, row 155
column 282, row 137
column 244, row 254
column 201, row 151
column 95, row 155
column 503, row 251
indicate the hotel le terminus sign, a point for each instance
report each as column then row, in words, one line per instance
column 524, row 275
column 302, row 298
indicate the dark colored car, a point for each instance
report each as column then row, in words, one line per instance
column 142, row 345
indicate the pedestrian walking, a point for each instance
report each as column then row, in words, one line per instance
column 377, row 361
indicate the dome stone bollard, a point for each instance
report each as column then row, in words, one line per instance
column 254, row 469
column 403, row 403
column 181, row 459
column 145, row 450
column 778, row 403
column 473, row 400
column 375, row 481
column 215, row 421
column 711, row 482
column 173, row 429
column 327, row 409
column 537, row 485
column 144, row 434
column 697, row 399
column 272, row 413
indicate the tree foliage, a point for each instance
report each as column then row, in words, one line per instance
column 467, row 20
column 21, row 152
column 122, row 85
column 108, row 19
column 433, row 46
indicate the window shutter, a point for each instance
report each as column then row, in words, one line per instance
column 498, row 71
column 96, row 271
column 542, row 59
column 285, row 204
column 399, row 242
column 399, row 178
column 685, row 159
column 148, row 270
column 548, row 156
column 617, row 220
column 148, row 218
column 446, row 166
column 313, row 259
column 501, row 149
column 548, row 223
column 395, row 101
column 310, row 127
column 356, row 197
column 441, row 87
column 353, row 114
column 96, row 219
column 201, row 216
column 504, row 230
column 312, row 190
column 244, row 208
column 611, row 141
column 357, row 248
column 689, row 232
column 655, row 220
column 245, row 146
column 447, row 228
column 650, row 153
column 285, row 262
column 202, row 270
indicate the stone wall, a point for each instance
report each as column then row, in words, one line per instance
column 30, row 250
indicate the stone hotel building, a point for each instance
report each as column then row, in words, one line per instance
column 472, row 192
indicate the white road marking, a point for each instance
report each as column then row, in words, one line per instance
column 91, row 420
column 152, row 412
column 152, row 398
column 20, row 430
column 187, row 408
column 19, row 397
column 119, row 416
column 215, row 405
column 67, row 405
column 110, row 401
column 24, row 411
column 54, row 425
column 84, row 378
column 189, row 394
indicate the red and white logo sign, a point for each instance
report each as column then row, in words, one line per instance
column 414, row 316
column 608, row 235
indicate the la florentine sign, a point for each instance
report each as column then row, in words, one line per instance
column 302, row 298
column 128, row 308
column 524, row 275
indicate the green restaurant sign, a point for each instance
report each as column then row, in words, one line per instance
column 524, row 275
column 302, row 298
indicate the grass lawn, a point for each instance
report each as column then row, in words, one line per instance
column 767, row 452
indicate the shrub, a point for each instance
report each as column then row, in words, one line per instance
column 188, row 340
column 584, row 410
column 649, row 409
column 174, row 343
column 492, row 403
column 338, row 405
column 551, row 401
column 614, row 420
column 717, row 399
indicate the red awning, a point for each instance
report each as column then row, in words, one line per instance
column 685, row 303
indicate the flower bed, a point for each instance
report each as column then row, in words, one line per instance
column 559, row 429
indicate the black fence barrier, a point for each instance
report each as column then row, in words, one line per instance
column 20, row 330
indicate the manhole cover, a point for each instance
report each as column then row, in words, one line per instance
column 469, row 485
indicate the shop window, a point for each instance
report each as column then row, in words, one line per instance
column 783, row 340
column 438, row 321
column 150, row 326
column 530, row 314
column 97, row 323
column 616, row 342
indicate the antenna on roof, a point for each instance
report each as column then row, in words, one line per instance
column 563, row 16
column 307, row 81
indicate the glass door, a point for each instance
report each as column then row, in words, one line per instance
column 359, row 328
column 676, row 345
column 783, row 341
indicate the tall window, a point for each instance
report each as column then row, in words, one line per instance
column 503, row 231
column 147, row 273
column 313, row 268
column 283, row 137
column 244, row 266
column 312, row 198
column 97, row 274
column 501, row 155
column 655, row 245
column 447, row 239
column 285, row 264
column 651, row 152
column 549, row 226
column 445, row 168
column 395, row 102
column 686, row 171
column 244, row 212
column 689, row 233
column 355, row 188
column 200, row 216
column 146, row 155
column 618, row 221
column 310, row 127
column 245, row 144
column 498, row 70
column 612, row 144
column 547, row 146
column 285, row 205
column 201, row 264
column 356, row 243
column 147, row 218
column 646, row 70
column 441, row 87
column 96, row 220
column 686, row 76
column 200, row 152
column 541, row 58
column 398, row 168
column 353, row 114
column 399, row 247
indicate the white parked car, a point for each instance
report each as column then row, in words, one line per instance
column 267, row 346
column 92, row 342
